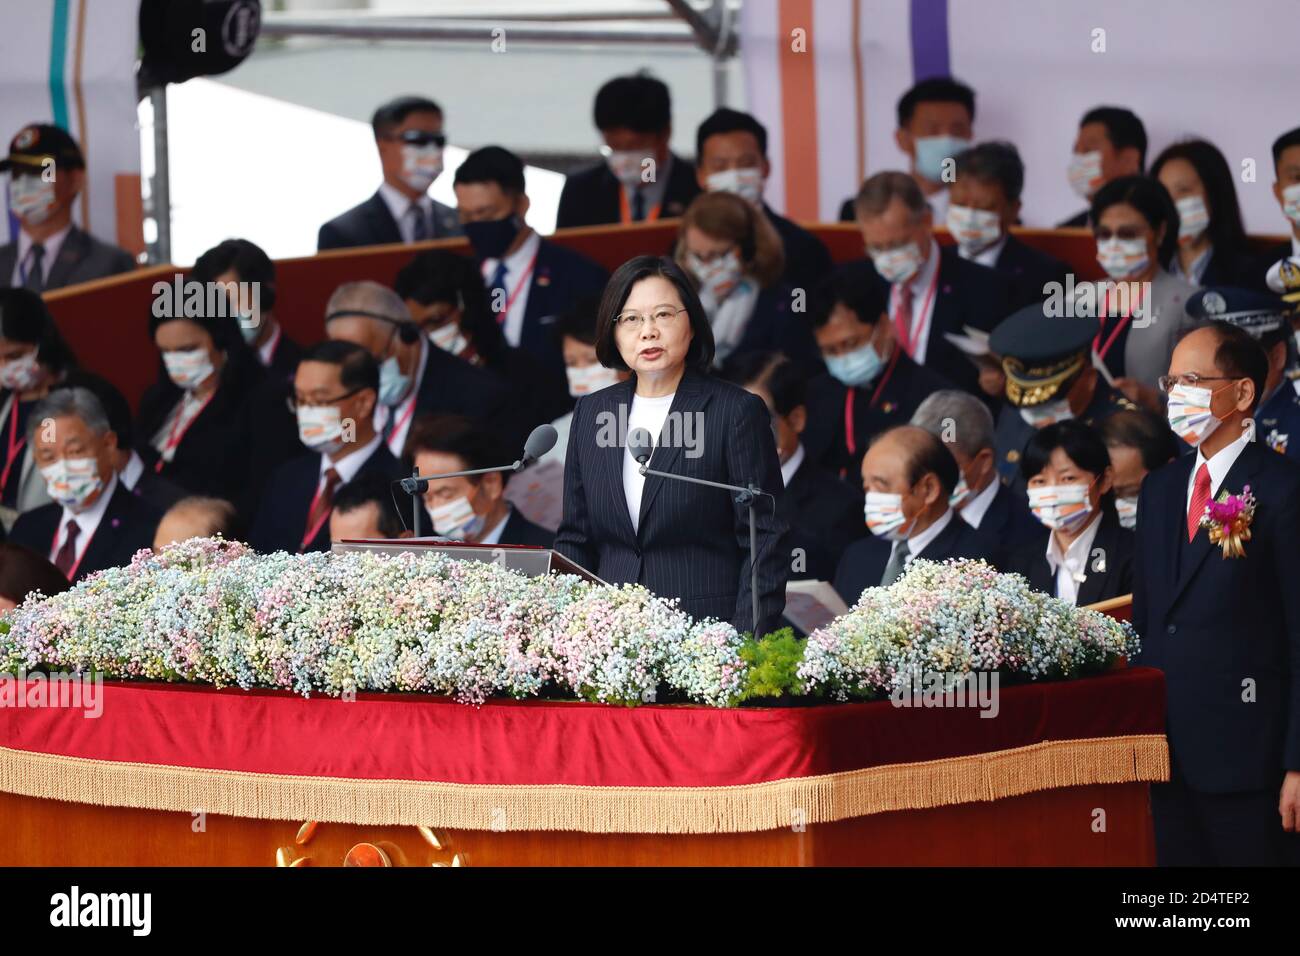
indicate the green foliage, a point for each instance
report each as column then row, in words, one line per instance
column 772, row 665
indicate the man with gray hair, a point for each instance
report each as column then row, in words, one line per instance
column 94, row 522
column 414, row 376
column 933, row 292
column 965, row 425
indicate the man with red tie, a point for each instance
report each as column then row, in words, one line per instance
column 1219, row 613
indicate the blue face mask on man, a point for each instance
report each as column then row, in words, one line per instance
column 858, row 367
column 933, row 151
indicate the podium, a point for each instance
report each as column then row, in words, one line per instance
column 525, row 559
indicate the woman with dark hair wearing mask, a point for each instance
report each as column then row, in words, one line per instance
column 193, row 428
column 1211, row 238
column 1142, row 307
column 33, row 358
column 679, row 539
column 1084, row 555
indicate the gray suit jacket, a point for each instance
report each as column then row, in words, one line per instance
column 81, row 258
column 1149, row 348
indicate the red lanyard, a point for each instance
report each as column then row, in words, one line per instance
column 849, row 439
column 510, row 299
column 320, row 522
column 921, row 320
column 1101, row 350
column 406, row 417
column 625, row 210
column 14, row 446
column 174, row 438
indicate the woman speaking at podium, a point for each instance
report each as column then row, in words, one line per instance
column 679, row 539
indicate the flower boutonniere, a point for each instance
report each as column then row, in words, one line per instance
column 1227, row 519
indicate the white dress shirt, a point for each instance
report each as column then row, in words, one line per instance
column 1071, row 568
column 978, row 506
column 494, row 535
column 132, row 471
column 349, row 464
column 266, row 351
column 922, row 302
column 87, row 523
column 939, row 205
column 653, row 192
column 168, row 438
column 1220, row 465
column 52, row 245
column 517, row 263
column 987, row 256
column 789, row 469
column 917, row 543
column 400, row 206
column 650, row 414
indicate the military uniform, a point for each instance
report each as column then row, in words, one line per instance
column 1013, row 432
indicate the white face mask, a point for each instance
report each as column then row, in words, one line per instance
column 1057, row 410
column 719, row 277
column 320, row 428
column 584, row 379
column 22, row 373
column 626, row 165
column 71, row 481
column 1128, row 512
column 456, row 519
column 974, row 229
column 1291, row 203
column 747, row 183
column 1060, row 507
column 1193, row 219
column 1122, row 258
column 1085, row 173
column 898, row 265
column 188, row 369
column 31, row 198
column 448, row 337
column 421, row 165
column 884, row 514
column 1189, row 413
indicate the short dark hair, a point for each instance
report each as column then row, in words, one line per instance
column 357, row 367
column 394, row 112
column 1239, row 355
column 775, row 372
column 935, row 89
column 619, row 287
column 726, row 120
column 579, row 320
column 23, row 571
column 492, row 164
column 858, row 289
column 997, row 161
column 247, row 260
column 640, row 103
column 456, row 435
column 927, row 454
column 1283, row 143
column 1123, row 129
column 25, row 318
column 365, row 488
column 440, row 276
column 1148, row 197
column 1226, row 230
column 1147, row 432
column 1081, row 443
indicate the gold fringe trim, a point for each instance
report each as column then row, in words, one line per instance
column 457, row 806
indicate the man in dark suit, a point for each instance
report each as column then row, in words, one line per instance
column 364, row 509
column 870, row 385
column 984, row 205
column 94, row 522
column 47, row 172
column 1286, row 189
column 335, row 390
column 908, row 476
column 640, row 179
column 731, row 150
column 472, row 508
column 933, row 291
column 1112, row 142
column 1224, row 629
column 530, row 281
column 410, row 139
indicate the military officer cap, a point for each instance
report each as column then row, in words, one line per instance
column 1284, row 279
column 1261, row 314
column 35, row 144
column 1042, row 353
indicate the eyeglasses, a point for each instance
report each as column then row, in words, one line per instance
column 1191, row 380
column 291, row 401
column 663, row 315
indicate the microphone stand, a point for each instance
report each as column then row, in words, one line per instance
column 745, row 495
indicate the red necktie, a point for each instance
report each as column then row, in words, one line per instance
column 1200, row 498
column 66, row 559
column 324, row 502
column 903, row 316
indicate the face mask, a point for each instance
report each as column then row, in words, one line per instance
column 959, row 494
column 589, row 378
column 71, row 481
column 1060, row 507
column 492, row 238
column 249, row 329
column 898, row 265
column 1047, row 413
column 188, row 369
column 1189, row 413
column 933, row 151
column 31, row 198
column 719, row 277
column 21, row 374
column 858, row 367
column 974, row 229
column 885, row 515
column 393, row 385
column 746, row 183
column 456, row 519
column 1122, row 258
column 448, row 338
column 626, row 166
column 1291, row 203
column 421, row 165
column 1193, row 218
column 1128, row 512
column 1085, row 171
column 320, row 428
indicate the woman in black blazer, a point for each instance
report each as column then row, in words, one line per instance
column 1068, row 474
column 679, row 539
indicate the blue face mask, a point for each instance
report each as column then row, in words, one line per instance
column 858, row 367
column 393, row 385
column 931, row 151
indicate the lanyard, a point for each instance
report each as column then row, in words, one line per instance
column 14, row 446
column 320, row 522
column 1101, row 350
column 625, row 210
column 406, row 417
column 922, row 320
column 849, row 440
column 174, row 437
column 523, row 279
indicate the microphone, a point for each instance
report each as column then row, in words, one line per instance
column 540, row 441
column 640, row 444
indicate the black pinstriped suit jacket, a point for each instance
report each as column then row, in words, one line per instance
column 693, row 541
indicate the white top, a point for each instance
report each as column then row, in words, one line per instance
column 132, row 471
column 1220, row 465
column 87, row 523
column 178, row 422
column 405, row 411
column 517, row 264
column 922, row 301
column 789, row 469
column 494, row 535
column 400, row 207
column 650, row 414
column 266, row 351
column 52, row 245
column 978, row 506
column 939, row 205
column 987, row 256
column 1071, row 568
column 916, row 543
column 349, row 464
